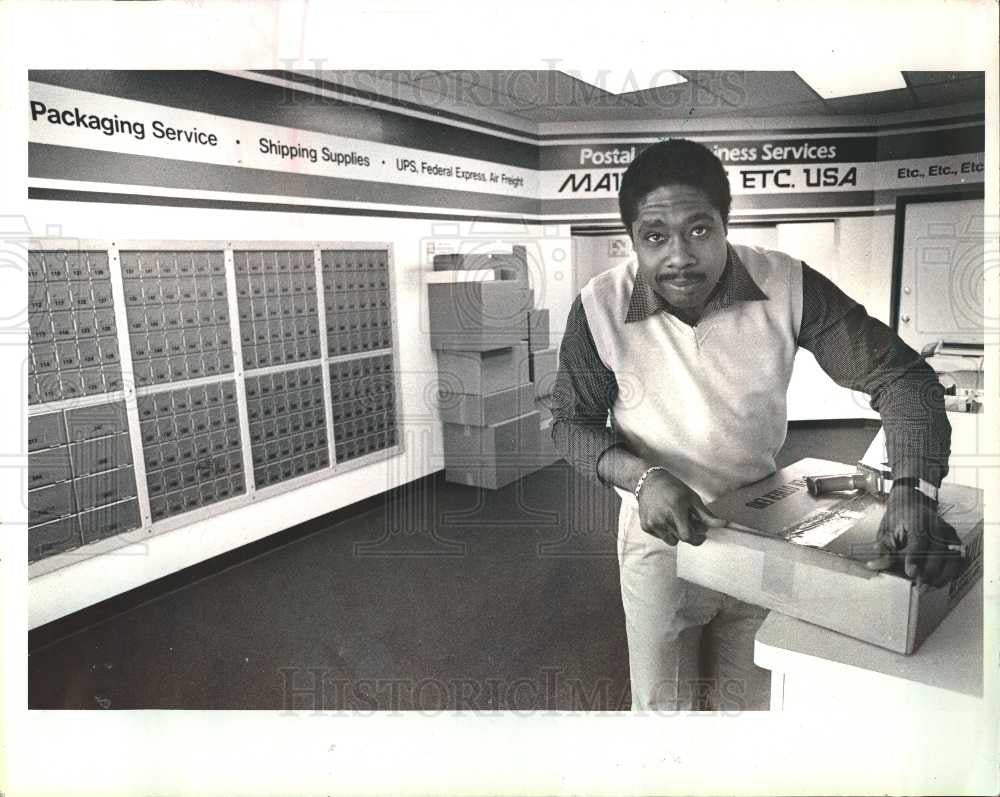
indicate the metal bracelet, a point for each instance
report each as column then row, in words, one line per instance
column 642, row 479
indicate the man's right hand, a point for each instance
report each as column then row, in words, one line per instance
column 672, row 511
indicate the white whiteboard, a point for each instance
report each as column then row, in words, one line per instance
column 941, row 281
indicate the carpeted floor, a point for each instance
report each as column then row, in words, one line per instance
column 445, row 597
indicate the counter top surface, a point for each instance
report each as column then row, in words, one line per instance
column 951, row 658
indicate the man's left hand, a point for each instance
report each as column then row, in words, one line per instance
column 912, row 529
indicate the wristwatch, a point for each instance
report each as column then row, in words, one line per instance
column 920, row 485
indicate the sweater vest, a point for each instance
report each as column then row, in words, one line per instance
column 706, row 402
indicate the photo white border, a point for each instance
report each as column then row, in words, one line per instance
column 180, row 752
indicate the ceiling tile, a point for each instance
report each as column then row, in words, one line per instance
column 554, row 96
column 514, row 90
column 742, row 90
column 879, row 102
column 814, row 107
column 926, row 78
column 953, row 92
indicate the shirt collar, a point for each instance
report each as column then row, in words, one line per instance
column 735, row 285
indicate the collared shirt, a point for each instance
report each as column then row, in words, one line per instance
column 857, row 351
column 735, row 285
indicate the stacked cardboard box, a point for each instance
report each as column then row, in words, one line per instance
column 507, row 267
column 543, row 364
column 494, row 455
column 538, row 329
column 485, row 397
column 491, row 427
column 477, row 316
column 490, row 340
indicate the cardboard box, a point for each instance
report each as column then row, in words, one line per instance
column 494, row 476
column 544, row 367
column 507, row 439
column 506, row 274
column 515, row 263
column 485, row 410
column 829, row 584
column 482, row 373
column 489, row 476
column 457, row 262
column 477, row 316
column 459, row 275
column 511, row 266
column 537, row 333
column 493, row 456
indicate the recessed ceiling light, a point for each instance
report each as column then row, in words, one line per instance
column 626, row 81
column 830, row 83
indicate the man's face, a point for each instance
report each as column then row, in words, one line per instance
column 680, row 242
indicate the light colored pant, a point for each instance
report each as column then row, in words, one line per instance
column 689, row 647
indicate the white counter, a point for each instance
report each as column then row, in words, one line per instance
column 813, row 668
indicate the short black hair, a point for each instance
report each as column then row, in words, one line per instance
column 674, row 161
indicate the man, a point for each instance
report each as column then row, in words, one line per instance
column 690, row 349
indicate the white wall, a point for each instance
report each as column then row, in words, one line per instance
column 756, row 235
column 593, row 254
column 87, row 581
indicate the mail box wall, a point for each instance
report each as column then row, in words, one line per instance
column 72, row 342
column 276, row 300
column 356, row 299
column 191, row 447
column 177, row 310
column 288, row 432
column 364, row 406
column 81, row 479
column 227, row 384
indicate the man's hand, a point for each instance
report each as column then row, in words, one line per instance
column 672, row 511
column 912, row 529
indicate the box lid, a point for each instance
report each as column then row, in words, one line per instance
column 844, row 523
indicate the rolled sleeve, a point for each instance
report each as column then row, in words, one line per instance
column 584, row 392
column 861, row 353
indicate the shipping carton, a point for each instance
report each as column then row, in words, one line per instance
column 477, row 316
column 488, row 409
column 454, row 275
column 489, row 476
column 807, row 560
column 516, row 265
column 544, row 366
column 537, row 330
column 507, row 439
column 459, row 262
column 492, row 456
column 513, row 264
column 482, row 373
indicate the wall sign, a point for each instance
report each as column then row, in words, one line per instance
column 70, row 118
column 86, row 137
